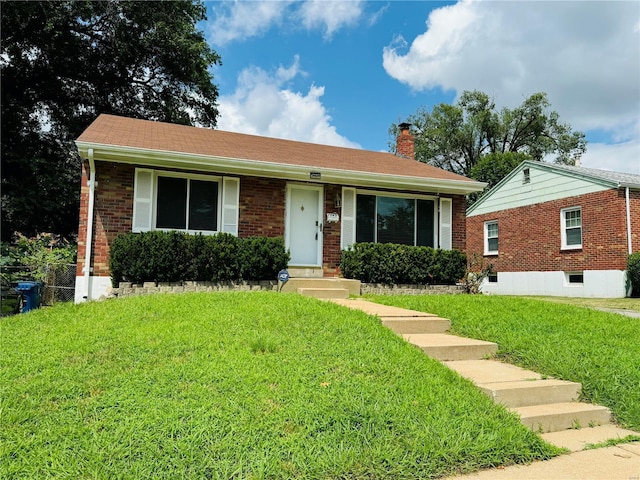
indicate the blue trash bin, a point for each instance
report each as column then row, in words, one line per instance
column 30, row 291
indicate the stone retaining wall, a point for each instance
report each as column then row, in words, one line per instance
column 126, row 289
column 382, row 289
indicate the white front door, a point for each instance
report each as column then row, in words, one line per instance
column 304, row 225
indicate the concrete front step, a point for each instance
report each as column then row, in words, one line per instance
column 491, row 371
column 450, row 347
column 295, row 284
column 555, row 417
column 531, row 392
column 576, row 440
column 382, row 310
column 324, row 292
column 402, row 325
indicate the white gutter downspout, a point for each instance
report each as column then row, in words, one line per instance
column 88, row 252
column 626, row 195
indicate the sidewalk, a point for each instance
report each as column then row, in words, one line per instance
column 621, row 462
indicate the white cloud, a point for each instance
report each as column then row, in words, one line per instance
column 263, row 105
column 330, row 16
column 585, row 55
column 618, row 157
column 239, row 20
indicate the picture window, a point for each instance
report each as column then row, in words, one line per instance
column 402, row 220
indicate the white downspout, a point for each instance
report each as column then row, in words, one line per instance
column 88, row 252
column 626, row 195
column 630, row 245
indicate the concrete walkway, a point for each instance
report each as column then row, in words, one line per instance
column 468, row 357
column 627, row 313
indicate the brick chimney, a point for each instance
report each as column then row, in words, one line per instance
column 404, row 142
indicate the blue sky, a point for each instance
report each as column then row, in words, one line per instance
column 341, row 72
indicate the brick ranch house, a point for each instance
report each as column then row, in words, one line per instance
column 140, row 175
column 557, row 230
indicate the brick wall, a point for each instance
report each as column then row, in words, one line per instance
column 112, row 212
column 262, row 207
column 529, row 238
column 459, row 226
column 262, row 213
column 331, row 247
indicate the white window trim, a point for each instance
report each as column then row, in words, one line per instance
column 563, row 229
column 190, row 176
column 486, row 238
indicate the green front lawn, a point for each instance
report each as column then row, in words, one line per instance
column 598, row 349
column 236, row 385
column 610, row 303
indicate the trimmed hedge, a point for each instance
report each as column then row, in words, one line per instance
column 633, row 273
column 175, row 256
column 402, row 264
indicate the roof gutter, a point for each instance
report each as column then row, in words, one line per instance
column 89, row 240
column 225, row 165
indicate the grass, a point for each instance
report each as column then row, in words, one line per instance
column 237, row 385
column 598, row 349
column 613, row 442
column 608, row 303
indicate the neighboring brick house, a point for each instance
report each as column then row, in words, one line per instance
column 139, row 175
column 557, row 230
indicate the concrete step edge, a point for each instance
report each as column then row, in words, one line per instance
column 563, row 416
column 531, row 392
column 415, row 326
column 577, row 440
column 491, row 371
column 324, row 292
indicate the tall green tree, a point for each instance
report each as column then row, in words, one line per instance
column 456, row 137
column 63, row 63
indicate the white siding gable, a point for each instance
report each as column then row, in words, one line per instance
column 544, row 185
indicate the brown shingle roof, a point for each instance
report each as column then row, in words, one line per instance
column 127, row 132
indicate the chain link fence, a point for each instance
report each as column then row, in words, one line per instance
column 59, row 280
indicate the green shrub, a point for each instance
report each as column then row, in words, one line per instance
column 150, row 256
column 633, row 273
column 175, row 256
column 262, row 258
column 214, row 258
column 402, row 264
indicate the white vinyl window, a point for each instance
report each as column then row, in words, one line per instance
column 491, row 238
column 187, row 203
column 571, row 228
column 191, row 203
